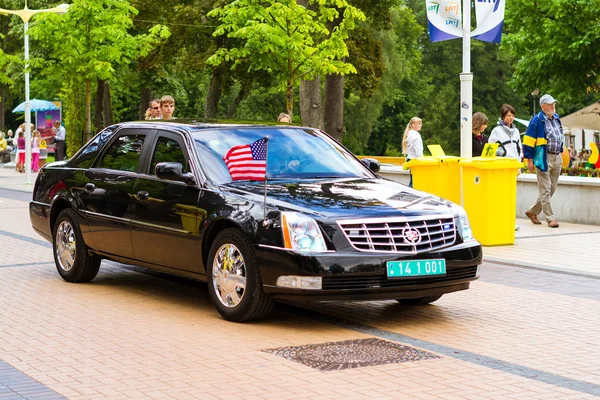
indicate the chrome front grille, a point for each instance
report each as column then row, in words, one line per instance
column 400, row 235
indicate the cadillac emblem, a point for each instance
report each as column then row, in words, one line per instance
column 411, row 236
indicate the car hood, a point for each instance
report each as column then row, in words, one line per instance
column 345, row 198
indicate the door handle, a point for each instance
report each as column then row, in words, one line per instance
column 143, row 195
column 89, row 187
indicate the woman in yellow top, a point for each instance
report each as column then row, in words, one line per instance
column 3, row 143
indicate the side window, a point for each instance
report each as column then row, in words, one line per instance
column 89, row 153
column 167, row 150
column 124, row 153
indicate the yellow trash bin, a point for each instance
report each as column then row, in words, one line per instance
column 490, row 198
column 437, row 175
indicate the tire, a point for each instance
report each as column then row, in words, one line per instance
column 419, row 301
column 234, row 280
column 73, row 260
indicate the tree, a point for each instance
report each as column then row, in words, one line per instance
column 556, row 44
column 288, row 40
column 5, row 80
column 90, row 41
column 378, row 16
column 389, row 86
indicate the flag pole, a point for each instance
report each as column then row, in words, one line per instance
column 265, row 222
column 466, row 85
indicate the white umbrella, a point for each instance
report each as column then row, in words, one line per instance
column 586, row 118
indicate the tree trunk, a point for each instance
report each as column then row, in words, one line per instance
column 145, row 98
column 215, row 90
column 88, row 111
column 98, row 123
column 289, row 98
column 2, row 102
column 334, row 106
column 107, row 105
column 311, row 109
column 244, row 90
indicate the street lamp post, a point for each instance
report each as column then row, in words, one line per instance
column 26, row 14
column 534, row 93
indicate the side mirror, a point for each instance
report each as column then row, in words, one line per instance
column 372, row 164
column 173, row 171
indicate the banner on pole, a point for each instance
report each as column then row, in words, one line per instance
column 490, row 20
column 444, row 18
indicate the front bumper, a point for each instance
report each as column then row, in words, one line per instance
column 362, row 276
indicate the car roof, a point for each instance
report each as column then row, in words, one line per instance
column 194, row 124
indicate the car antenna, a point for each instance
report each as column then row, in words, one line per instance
column 266, row 222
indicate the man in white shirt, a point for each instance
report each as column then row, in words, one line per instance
column 59, row 139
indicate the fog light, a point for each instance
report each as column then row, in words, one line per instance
column 300, row 282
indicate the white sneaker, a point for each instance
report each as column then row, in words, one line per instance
column 517, row 228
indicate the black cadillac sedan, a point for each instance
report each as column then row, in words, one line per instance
column 261, row 213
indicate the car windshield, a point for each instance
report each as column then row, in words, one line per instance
column 293, row 153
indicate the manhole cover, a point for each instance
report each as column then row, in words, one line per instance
column 348, row 354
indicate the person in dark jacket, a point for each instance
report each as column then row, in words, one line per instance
column 480, row 123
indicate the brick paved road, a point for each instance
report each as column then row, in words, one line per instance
column 516, row 334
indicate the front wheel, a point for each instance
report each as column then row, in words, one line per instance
column 73, row 260
column 234, row 280
column 419, row 301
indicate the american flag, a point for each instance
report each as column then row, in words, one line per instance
column 248, row 162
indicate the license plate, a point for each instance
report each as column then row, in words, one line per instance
column 401, row 269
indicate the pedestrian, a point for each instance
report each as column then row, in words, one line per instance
column 35, row 151
column 4, row 149
column 480, row 123
column 59, row 139
column 12, row 143
column 285, row 118
column 542, row 147
column 412, row 143
column 153, row 111
column 21, row 152
column 508, row 137
column 572, row 155
column 3, row 143
column 167, row 107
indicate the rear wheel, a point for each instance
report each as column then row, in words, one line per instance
column 419, row 301
column 234, row 280
column 73, row 260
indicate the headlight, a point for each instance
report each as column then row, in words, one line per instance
column 301, row 233
column 463, row 224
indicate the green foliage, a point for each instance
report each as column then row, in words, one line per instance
column 375, row 121
column 5, row 59
column 392, row 151
column 89, row 42
column 73, row 116
column 285, row 39
column 92, row 38
column 556, row 44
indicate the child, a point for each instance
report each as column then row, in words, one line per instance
column 167, row 107
column 35, row 151
column 21, row 152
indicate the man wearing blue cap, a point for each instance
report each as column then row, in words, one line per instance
column 542, row 147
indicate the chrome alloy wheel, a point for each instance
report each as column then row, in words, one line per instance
column 229, row 275
column 65, row 246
